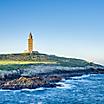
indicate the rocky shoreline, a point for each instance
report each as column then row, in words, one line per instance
column 30, row 83
column 46, row 77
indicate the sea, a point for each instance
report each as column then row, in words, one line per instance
column 86, row 89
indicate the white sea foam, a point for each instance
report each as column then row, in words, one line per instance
column 79, row 77
column 15, row 91
column 37, row 89
column 63, row 79
column 64, row 85
column 2, row 90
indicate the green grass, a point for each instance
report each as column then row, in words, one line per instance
column 9, row 62
column 10, row 67
column 14, row 65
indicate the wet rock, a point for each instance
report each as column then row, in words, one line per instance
column 54, row 78
column 23, row 82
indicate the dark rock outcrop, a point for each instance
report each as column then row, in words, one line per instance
column 53, row 78
column 30, row 83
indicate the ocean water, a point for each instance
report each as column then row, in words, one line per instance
column 87, row 89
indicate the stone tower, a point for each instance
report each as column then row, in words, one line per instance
column 30, row 43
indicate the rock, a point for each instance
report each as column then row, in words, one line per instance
column 9, row 75
column 54, row 78
column 23, row 82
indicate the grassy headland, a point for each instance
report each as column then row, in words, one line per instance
column 23, row 60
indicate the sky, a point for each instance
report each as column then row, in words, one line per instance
column 70, row 28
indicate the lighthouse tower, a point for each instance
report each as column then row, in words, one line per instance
column 30, row 43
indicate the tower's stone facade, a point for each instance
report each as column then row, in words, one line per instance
column 30, row 43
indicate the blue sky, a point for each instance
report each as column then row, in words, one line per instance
column 72, row 28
